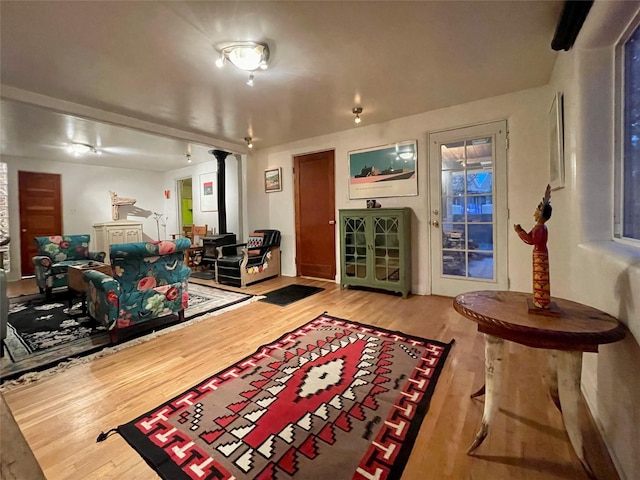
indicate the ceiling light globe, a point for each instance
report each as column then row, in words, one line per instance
column 247, row 58
column 80, row 148
column 357, row 119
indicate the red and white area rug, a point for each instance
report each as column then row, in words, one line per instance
column 333, row 399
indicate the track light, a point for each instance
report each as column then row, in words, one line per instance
column 249, row 142
column 357, row 111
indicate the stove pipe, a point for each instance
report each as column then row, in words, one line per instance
column 221, row 155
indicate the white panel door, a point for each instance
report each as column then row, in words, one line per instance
column 469, row 215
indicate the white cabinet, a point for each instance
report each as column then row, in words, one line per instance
column 114, row 233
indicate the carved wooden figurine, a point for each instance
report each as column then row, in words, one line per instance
column 117, row 201
column 538, row 238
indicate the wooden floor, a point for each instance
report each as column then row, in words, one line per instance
column 61, row 416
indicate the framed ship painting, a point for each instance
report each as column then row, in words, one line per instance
column 384, row 171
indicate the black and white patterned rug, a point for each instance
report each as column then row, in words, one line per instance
column 35, row 324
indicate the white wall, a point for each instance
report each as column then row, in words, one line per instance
column 233, row 191
column 526, row 115
column 85, row 197
column 597, row 270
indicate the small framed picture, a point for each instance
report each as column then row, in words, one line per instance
column 208, row 196
column 273, row 180
column 556, row 143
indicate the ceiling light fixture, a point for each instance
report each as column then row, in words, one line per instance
column 249, row 142
column 188, row 156
column 247, row 56
column 357, row 111
column 81, row 148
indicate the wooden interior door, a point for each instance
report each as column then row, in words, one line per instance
column 40, row 202
column 314, row 181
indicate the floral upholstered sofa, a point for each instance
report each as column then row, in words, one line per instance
column 150, row 280
column 56, row 254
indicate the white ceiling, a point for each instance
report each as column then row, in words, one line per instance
column 154, row 62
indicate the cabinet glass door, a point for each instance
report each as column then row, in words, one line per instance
column 386, row 241
column 355, row 247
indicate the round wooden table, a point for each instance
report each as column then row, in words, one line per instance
column 568, row 330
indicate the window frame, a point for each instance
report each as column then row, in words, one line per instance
column 619, row 132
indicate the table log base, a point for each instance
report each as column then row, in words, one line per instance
column 575, row 329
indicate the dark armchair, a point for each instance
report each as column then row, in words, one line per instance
column 242, row 264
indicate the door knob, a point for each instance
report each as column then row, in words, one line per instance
column 332, row 222
column 435, row 223
column 23, row 230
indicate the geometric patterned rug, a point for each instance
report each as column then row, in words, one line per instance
column 333, row 399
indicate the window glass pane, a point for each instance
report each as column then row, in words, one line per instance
column 631, row 162
column 479, row 181
column 479, row 153
column 453, row 263
column 452, row 156
column 481, row 265
column 480, row 237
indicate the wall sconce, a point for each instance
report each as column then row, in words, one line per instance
column 247, row 56
column 78, row 149
column 249, row 142
column 357, row 111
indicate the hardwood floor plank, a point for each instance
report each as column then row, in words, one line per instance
column 62, row 415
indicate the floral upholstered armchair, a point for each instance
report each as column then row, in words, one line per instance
column 149, row 281
column 246, row 263
column 56, row 254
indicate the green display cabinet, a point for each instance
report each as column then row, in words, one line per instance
column 375, row 249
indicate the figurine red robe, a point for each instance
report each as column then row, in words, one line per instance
column 538, row 238
column 541, row 281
